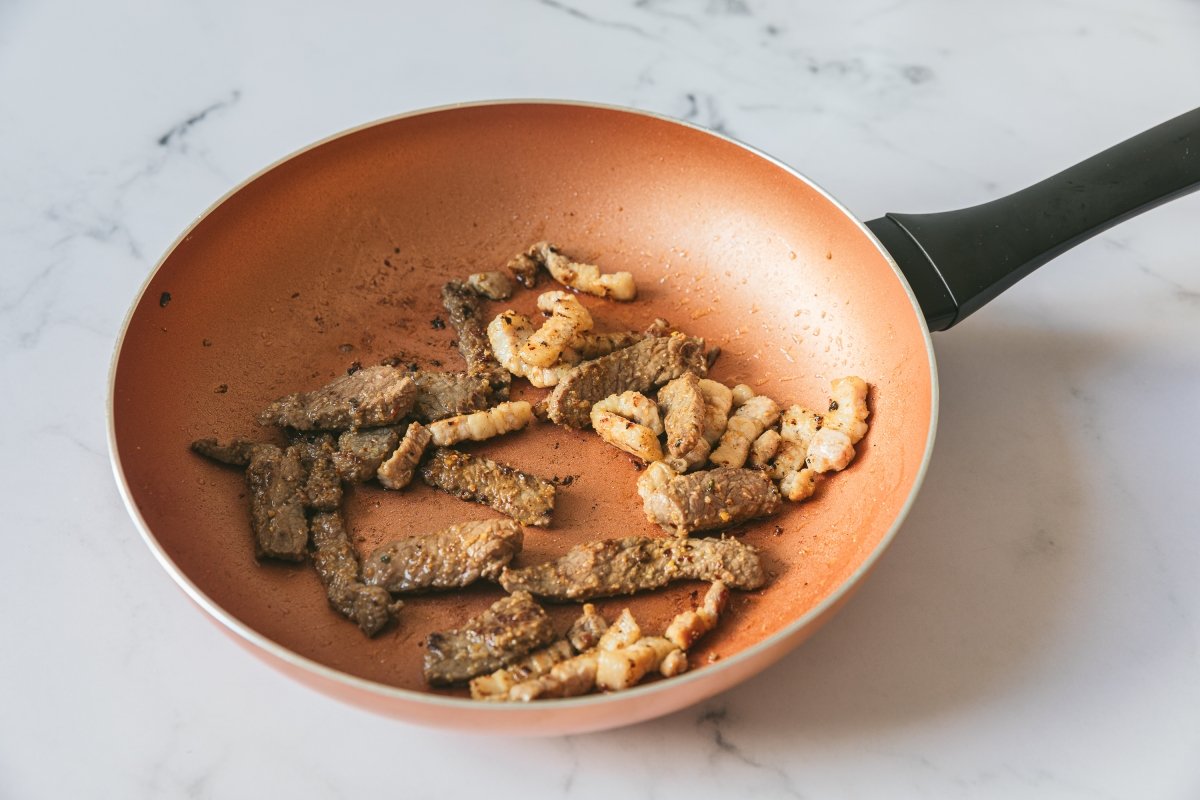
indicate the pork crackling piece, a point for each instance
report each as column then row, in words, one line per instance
column 638, row 368
column 397, row 472
column 636, row 563
column 848, row 410
column 455, row 556
column 524, row 497
column 629, row 421
column 581, row 277
column 369, row 607
column 752, row 417
column 277, row 503
column 577, row 676
column 568, row 318
column 509, row 629
column 708, row 500
column 493, row 285
column 446, row 394
column 370, row 397
column 480, row 425
column 508, row 333
column 465, row 310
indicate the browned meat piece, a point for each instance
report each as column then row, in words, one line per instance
column 365, row 399
column 276, row 481
column 525, row 269
column 397, row 471
column 716, row 498
column 492, row 284
column 360, row 453
column 323, row 485
column 455, row 556
column 526, row 498
column 636, row 563
column 509, row 629
column 369, row 607
column 639, row 368
column 586, row 631
column 448, row 394
column 465, row 310
column 683, row 403
column 237, row 452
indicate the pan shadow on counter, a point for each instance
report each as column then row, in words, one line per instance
column 990, row 571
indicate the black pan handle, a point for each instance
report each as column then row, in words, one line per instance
column 956, row 261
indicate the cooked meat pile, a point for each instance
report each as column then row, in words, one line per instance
column 455, row 556
column 465, row 310
column 709, row 500
column 526, row 498
column 638, row 368
column 509, row 629
column 369, row 607
column 445, row 394
column 636, row 563
column 715, row 456
column 276, row 481
column 368, row 398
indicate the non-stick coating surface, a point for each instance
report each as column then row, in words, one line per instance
column 336, row 256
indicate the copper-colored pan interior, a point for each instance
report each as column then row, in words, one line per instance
column 336, row 256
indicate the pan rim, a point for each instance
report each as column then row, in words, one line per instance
column 536, row 711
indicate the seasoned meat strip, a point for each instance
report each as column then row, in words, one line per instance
column 455, row 556
column 367, row 398
column 323, row 484
column 636, row 563
column 465, row 310
column 237, row 453
column 509, row 629
column 709, row 500
column 276, row 480
column 639, row 368
column 447, row 394
column 526, row 498
column 683, row 403
column 397, row 472
column 369, row 607
column 360, row 453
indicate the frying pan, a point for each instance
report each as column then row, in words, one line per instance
column 336, row 254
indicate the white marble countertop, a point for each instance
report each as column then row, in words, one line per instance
column 1033, row 632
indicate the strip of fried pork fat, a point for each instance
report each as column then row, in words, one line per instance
column 452, row 557
column 506, row 631
column 637, row 563
column 526, row 498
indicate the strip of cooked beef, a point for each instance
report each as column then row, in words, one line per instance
column 360, row 453
column 465, row 309
column 455, row 556
column 367, row 398
column 238, row 452
column 509, row 629
column 636, row 563
column 447, row 394
column 639, row 368
column 710, row 500
column 369, row 607
column 683, row 405
column 323, row 484
column 276, row 481
column 397, row 472
column 526, row 498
